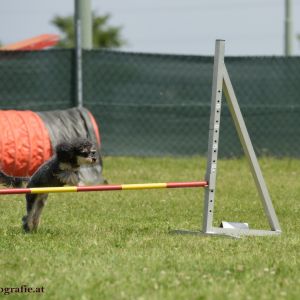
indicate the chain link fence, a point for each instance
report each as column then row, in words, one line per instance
column 153, row 105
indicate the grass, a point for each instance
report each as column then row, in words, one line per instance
column 116, row 245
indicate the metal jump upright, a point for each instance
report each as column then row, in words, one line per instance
column 222, row 83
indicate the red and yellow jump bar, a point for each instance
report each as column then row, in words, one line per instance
column 108, row 187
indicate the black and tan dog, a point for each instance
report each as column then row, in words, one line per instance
column 62, row 169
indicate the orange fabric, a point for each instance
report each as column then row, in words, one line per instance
column 95, row 126
column 36, row 43
column 24, row 142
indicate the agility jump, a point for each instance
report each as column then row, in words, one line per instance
column 221, row 81
column 105, row 188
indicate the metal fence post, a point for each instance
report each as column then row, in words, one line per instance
column 78, row 57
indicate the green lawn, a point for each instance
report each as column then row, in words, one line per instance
column 116, row 245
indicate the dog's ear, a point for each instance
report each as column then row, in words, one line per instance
column 64, row 152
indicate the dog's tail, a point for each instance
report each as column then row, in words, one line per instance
column 11, row 181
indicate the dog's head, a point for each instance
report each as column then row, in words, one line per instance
column 77, row 152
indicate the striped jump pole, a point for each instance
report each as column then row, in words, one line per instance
column 104, row 188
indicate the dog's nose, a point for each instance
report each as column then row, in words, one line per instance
column 94, row 159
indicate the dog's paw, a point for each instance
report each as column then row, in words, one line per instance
column 24, row 220
column 25, row 224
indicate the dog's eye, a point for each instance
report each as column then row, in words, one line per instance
column 84, row 154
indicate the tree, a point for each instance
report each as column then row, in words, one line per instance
column 104, row 35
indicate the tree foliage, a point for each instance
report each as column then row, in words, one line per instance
column 104, row 35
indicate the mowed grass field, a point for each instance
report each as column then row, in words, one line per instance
column 117, row 245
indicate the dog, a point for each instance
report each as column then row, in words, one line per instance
column 62, row 169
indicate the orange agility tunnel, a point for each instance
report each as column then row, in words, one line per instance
column 108, row 187
column 27, row 138
column 24, row 142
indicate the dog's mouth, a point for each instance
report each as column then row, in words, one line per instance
column 86, row 160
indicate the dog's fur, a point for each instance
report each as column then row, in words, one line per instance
column 11, row 181
column 60, row 170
